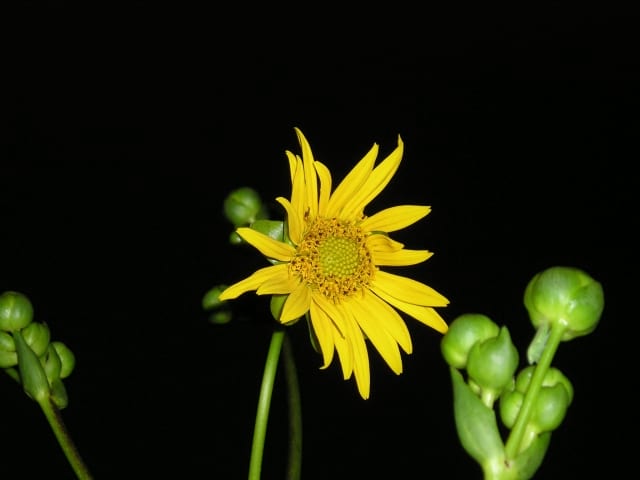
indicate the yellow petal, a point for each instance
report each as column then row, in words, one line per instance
column 426, row 315
column 407, row 290
column 279, row 283
column 370, row 322
column 343, row 346
column 392, row 321
column 360, row 356
column 269, row 247
column 394, row 218
column 352, row 183
column 252, row 282
column 325, row 187
column 310, row 178
column 293, row 164
column 400, row 258
column 294, row 225
column 296, row 304
column 374, row 184
column 383, row 242
column 323, row 329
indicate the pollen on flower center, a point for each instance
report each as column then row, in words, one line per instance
column 333, row 258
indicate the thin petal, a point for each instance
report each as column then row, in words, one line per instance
column 384, row 243
column 352, row 183
column 310, row 178
column 252, row 282
column 370, row 323
column 394, row 218
column 294, row 225
column 323, row 329
column 393, row 322
column 360, row 356
column 400, row 258
column 269, row 247
column 279, row 283
column 407, row 290
column 426, row 315
column 343, row 346
column 296, row 304
column 374, row 184
column 293, row 164
column 325, row 187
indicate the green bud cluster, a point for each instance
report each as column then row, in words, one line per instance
column 563, row 303
column 27, row 353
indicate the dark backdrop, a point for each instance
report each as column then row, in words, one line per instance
column 128, row 125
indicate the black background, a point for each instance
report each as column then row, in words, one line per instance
column 128, row 124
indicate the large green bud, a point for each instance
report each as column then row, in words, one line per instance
column 16, row 311
column 566, row 296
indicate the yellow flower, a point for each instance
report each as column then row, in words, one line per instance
column 330, row 268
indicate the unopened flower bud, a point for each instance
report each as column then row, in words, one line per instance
column 567, row 296
column 8, row 355
column 243, row 206
column 16, row 311
column 37, row 336
column 464, row 332
column 67, row 358
column 493, row 362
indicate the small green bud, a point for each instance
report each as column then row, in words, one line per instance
column 221, row 317
column 235, row 239
column 8, row 355
column 7, row 344
column 567, row 296
column 493, row 362
column 510, row 404
column 211, row 299
column 37, row 336
column 243, row 206
column 16, row 311
column 67, row 358
column 52, row 364
column 550, row 408
column 464, row 332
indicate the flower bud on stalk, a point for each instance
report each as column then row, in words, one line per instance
column 243, row 206
column 565, row 296
column 16, row 311
column 464, row 332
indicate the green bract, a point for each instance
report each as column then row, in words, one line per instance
column 16, row 311
column 464, row 332
column 565, row 296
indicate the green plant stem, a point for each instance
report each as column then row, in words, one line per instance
column 295, row 413
column 52, row 413
column 514, row 442
column 264, row 402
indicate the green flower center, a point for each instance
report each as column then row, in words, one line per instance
column 333, row 258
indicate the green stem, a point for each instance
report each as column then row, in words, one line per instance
column 264, row 402
column 514, row 442
column 64, row 439
column 295, row 413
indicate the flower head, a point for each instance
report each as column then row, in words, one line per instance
column 329, row 266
